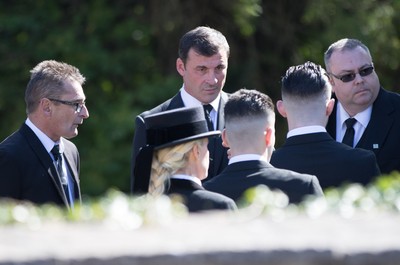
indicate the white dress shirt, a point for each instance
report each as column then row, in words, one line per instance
column 359, row 127
column 306, row 130
column 190, row 101
column 246, row 157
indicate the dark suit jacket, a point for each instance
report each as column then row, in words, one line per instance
column 383, row 129
column 238, row 177
column 218, row 154
column 28, row 172
column 197, row 198
column 332, row 162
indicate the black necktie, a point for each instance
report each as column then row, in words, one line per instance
column 58, row 159
column 349, row 135
column 207, row 110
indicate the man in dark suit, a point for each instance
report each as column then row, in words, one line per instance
column 306, row 103
column 250, row 136
column 359, row 95
column 37, row 162
column 203, row 64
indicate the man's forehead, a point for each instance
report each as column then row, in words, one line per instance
column 350, row 59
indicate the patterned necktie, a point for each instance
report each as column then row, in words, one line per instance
column 59, row 165
column 207, row 110
column 349, row 135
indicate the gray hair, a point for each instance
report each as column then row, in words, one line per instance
column 47, row 81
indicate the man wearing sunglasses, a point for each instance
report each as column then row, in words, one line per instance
column 365, row 115
column 37, row 162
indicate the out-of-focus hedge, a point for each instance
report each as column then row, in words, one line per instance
column 118, row 209
column 127, row 51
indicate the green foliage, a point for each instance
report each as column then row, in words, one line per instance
column 117, row 209
column 127, row 50
column 373, row 22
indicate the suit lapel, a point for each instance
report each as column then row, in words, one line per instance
column 380, row 118
column 215, row 144
column 176, row 102
column 73, row 169
column 44, row 158
column 221, row 118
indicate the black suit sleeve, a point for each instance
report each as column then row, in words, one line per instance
column 9, row 177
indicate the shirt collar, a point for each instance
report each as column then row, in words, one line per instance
column 190, row 101
column 187, row 177
column 246, row 157
column 44, row 139
column 361, row 117
column 306, row 130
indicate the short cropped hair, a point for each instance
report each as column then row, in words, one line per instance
column 304, row 81
column 204, row 40
column 246, row 103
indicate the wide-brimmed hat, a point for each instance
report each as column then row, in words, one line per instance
column 176, row 126
column 166, row 129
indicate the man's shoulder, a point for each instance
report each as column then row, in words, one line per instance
column 171, row 103
column 386, row 97
column 206, row 195
column 257, row 168
column 13, row 140
column 286, row 174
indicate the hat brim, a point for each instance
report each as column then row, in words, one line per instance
column 188, row 139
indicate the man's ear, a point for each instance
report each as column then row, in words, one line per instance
column 329, row 106
column 225, row 142
column 268, row 136
column 281, row 108
column 45, row 106
column 180, row 66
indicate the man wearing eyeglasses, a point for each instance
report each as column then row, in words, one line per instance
column 365, row 115
column 37, row 162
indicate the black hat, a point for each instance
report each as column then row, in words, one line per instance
column 165, row 129
column 176, row 126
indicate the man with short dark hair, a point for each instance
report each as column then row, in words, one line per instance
column 203, row 64
column 306, row 104
column 250, row 136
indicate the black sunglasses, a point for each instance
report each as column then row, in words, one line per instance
column 351, row 76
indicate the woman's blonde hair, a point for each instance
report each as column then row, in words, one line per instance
column 168, row 161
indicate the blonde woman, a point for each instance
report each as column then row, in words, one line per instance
column 177, row 151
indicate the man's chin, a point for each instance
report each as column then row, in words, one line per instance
column 69, row 136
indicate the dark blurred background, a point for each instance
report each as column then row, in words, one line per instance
column 127, row 51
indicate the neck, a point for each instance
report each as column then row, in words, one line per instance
column 266, row 152
column 298, row 121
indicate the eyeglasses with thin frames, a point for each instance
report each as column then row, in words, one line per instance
column 351, row 76
column 78, row 105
